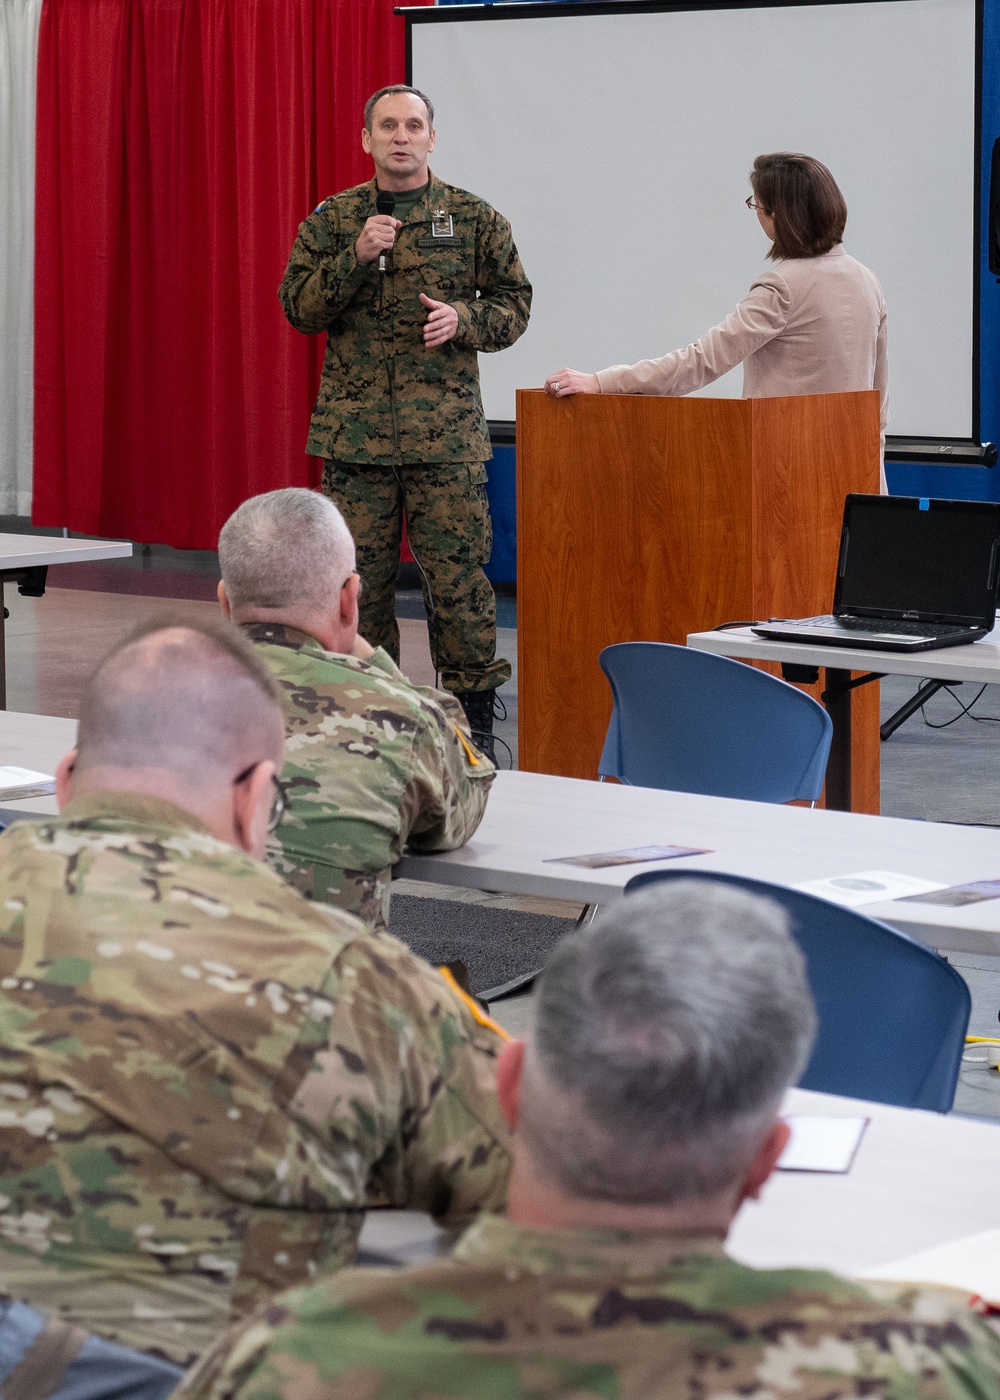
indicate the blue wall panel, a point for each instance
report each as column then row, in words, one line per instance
column 501, row 489
column 946, row 483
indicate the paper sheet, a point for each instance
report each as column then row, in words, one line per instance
column 868, row 887
column 821, row 1144
column 971, row 1263
column 24, row 782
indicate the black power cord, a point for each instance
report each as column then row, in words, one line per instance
column 962, row 711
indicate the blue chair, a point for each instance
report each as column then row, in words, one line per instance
column 892, row 1013
column 693, row 722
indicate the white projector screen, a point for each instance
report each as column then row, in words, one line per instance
column 618, row 145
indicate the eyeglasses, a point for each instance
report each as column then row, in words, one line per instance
column 751, row 203
column 279, row 803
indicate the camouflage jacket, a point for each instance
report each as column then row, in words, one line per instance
column 204, row 1079
column 374, row 324
column 521, row 1313
column 372, row 763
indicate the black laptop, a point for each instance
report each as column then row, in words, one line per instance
column 914, row 573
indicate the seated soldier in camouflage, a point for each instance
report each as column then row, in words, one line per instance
column 644, row 1112
column 205, row 1078
column 372, row 762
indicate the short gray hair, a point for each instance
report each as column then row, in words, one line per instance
column 390, row 91
column 284, row 549
column 187, row 695
column 664, row 1038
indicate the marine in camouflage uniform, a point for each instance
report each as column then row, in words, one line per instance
column 372, row 763
column 206, row 1079
column 402, row 426
column 522, row 1312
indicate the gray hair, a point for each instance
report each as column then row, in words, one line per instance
column 390, row 92
column 285, row 549
column 664, row 1038
column 188, row 696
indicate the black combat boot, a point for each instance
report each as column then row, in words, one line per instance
column 478, row 707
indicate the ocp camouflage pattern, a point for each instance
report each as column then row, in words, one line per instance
column 204, row 1079
column 374, row 324
column 530, row 1313
column 372, row 763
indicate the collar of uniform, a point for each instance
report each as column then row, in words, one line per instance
column 434, row 196
column 495, row 1240
column 131, row 809
column 279, row 634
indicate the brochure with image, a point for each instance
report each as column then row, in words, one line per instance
column 634, row 855
column 957, row 895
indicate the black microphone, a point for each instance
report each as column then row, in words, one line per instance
column 385, row 203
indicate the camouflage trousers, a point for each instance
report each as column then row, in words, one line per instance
column 451, row 536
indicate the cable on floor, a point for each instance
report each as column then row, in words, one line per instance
column 962, row 711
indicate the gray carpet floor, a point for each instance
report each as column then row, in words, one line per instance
column 949, row 774
column 496, row 945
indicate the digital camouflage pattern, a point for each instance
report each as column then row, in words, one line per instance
column 372, row 763
column 450, row 534
column 374, row 323
column 204, row 1079
column 524, row 1313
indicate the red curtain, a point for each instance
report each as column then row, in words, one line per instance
column 180, row 142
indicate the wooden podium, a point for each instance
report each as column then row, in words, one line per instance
column 644, row 519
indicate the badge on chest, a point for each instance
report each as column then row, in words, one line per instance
column 442, row 224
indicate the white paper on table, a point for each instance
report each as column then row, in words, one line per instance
column 17, row 783
column 821, row 1144
column 12, row 776
column 868, row 887
column 971, row 1263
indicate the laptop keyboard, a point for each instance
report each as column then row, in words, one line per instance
column 878, row 626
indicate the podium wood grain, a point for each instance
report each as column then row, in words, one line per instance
column 643, row 518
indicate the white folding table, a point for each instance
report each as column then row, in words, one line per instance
column 532, row 818
column 25, row 559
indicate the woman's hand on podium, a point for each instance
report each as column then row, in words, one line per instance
column 570, row 381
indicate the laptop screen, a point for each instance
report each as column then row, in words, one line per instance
column 906, row 557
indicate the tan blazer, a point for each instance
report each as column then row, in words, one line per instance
column 808, row 326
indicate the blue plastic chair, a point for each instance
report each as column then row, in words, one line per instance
column 892, row 1013
column 693, row 722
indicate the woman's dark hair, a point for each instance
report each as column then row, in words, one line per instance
column 803, row 199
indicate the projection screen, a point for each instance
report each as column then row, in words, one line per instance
column 618, row 145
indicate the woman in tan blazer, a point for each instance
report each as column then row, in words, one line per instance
column 813, row 324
